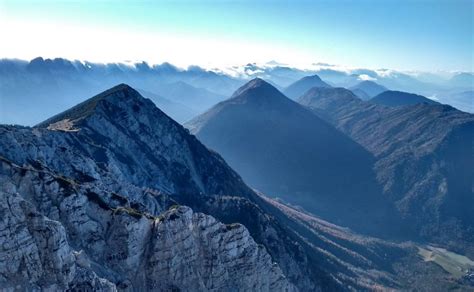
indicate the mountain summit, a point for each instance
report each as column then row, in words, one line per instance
column 284, row 150
column 260, row 93
column 120, row 94
column 299, row 87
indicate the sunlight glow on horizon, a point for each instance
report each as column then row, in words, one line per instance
column 398, row 35
column 110, row 45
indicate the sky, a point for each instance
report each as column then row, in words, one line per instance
column 416, row 35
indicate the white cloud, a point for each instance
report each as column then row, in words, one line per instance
column 366, row 77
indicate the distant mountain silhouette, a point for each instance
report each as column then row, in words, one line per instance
column 367, row 89
column 284, row 150
column 32, row 91
column 463, row 79
column 299, row 87
column 53, row 85
column 399, row 98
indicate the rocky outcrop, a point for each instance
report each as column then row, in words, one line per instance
column 195, row 252
column 178, row 249
column 35, row 253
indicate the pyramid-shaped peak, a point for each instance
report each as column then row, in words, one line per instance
column 299, row 87
column 312, row 77
column 256, row 84
column 121, row 91
column 114, row 95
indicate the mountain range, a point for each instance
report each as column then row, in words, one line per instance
column 283, row 150
column 423, row 156
column 412, row 153
column 113, row 194
column 31, row 91
column 259, row 177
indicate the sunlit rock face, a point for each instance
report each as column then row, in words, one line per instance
column 36, row 254
column 177, row 249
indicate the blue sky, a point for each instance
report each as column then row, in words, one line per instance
column 404, row 35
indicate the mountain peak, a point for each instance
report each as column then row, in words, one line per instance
column 299, row 87
column 312, row 77
column 115, row 95
column 368, row 82
column 260, row 93
column 256, row 83
column 121, row 89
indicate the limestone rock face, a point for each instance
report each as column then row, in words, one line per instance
column 35, row 253
column 178, row 249
column 194, row 252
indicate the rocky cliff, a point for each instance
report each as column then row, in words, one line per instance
column 86, row 236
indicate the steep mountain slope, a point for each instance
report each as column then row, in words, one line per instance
column 399, row 98
column 424, row 158
column 108, row 172
column 299, row 87
column 368, row 89
column 35, row 252
column 285, row 151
